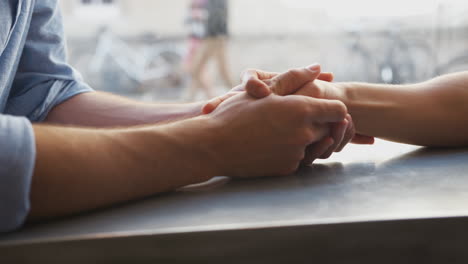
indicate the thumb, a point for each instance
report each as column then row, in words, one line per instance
column 255, row 82
column 257, row 88
column 291, row 81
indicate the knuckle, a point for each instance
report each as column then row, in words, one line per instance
column 314, row 90
column 303, row 111
column 300, row 109
column 341, row 107
column 283, row 83
column 337, row 107
column 314, row 134
column 278, row 85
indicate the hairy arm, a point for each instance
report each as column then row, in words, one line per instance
column 432, row 113
column 98, row 109
column 81, row 169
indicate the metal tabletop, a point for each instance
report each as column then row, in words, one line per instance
column 387, row 203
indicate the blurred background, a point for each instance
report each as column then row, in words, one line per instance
column 185, row 50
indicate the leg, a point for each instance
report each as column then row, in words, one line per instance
column 221, row 57
column 205, row 52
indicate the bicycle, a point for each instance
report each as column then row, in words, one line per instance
column 451, row 22
column 116, row 65
column 408, row 60
column 396, row 66
column 357, row 64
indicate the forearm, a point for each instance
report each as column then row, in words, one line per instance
column 80, row 169
column 430, row 113
column 97, row 109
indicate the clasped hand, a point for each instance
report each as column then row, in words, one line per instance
column 330, row 126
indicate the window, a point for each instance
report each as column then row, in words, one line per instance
column 361, row 40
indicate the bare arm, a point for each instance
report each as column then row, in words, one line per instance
column 78, row 169
column 98, row 109
column 82, row 169
column 432, row 113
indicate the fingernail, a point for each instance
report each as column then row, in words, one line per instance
column 314, row 67
column 206, row 109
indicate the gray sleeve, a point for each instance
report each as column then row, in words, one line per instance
column 17, row 158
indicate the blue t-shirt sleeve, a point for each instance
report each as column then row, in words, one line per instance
column 44, row 78
column 17, row 163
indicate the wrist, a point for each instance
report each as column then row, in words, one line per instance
column 341, row 92
column 164, row 157
column 191, row 143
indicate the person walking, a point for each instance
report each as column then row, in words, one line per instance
column 213, row 45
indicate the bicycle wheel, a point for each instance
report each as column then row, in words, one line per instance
column 357, row 66
column 110, row 78
column 164, row 66
column 398, row 69
column 411, row 61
